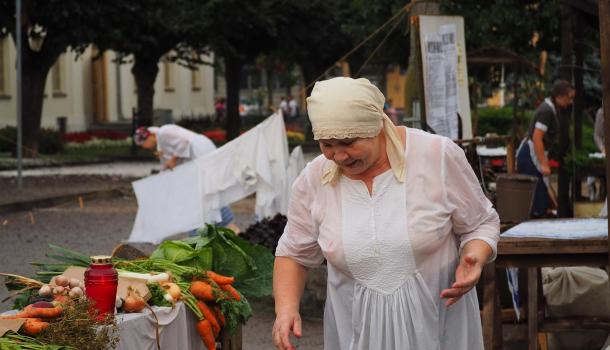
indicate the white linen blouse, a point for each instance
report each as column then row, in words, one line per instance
column 174, row 140
column 390, row 253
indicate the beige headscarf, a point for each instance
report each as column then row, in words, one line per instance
column 342, row 108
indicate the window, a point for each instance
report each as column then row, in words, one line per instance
column 195, row 79
column 195, row 73
column 168, row 75
column 4, row 79
column 57, row 78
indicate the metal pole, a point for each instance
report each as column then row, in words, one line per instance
column 604, row 39
column 19, row 97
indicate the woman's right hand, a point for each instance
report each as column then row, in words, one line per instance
column 285, row 324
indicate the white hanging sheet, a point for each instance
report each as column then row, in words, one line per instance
column 193, row 193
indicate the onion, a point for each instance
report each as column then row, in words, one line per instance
column 169, row 298
column 133, row 301
column 74, row 282
column 62, row 281
column 76, row 292
column 59, row 290
column 45, row 291
column 172, row 289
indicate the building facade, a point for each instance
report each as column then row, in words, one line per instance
column 86, row 93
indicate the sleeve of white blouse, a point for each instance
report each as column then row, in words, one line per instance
column 472, row 214
column 300, row 238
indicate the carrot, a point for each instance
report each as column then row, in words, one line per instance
column 220, row 279
column 202, row 291
column 43, row 312
column 205, row 331
column 14, row 316
column 229, row 288
column 33, row 326
column 220, row 316
column 209, row 315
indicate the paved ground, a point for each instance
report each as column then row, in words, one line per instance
column 126, row 169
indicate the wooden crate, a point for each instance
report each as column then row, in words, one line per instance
column 231, row 342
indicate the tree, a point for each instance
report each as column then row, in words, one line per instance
column 312, row 35
column 238, row 32
column 148, row 30
column 510, row 24
column 64, row 24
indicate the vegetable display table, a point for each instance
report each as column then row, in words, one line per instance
column 137, row 331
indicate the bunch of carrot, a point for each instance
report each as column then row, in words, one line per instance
column 209, row 290
column 36, row 316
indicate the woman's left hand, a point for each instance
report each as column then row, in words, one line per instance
column 467, row 275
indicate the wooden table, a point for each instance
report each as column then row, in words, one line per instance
column 532, row 254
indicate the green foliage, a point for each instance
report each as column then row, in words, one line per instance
column 221, row 250
column 196, row 124
column 8, row 137
column 149, row 29
column 500, row 120
column 314, row 34
column 157, row 295
column 49, row 141
column 509, row 23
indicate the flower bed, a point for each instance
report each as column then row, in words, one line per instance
column 84, row 136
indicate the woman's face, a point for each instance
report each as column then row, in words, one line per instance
column 353, row 156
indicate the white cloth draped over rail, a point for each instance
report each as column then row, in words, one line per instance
column 192, row 194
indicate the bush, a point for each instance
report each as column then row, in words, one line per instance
column 499, row 121
column 8, row 139
column 50, row 141
column 196, row 124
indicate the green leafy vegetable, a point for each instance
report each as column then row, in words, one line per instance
column 221, row 250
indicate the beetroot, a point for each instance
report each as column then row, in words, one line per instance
column 43, row 305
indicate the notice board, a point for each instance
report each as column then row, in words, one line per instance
column 445, row 75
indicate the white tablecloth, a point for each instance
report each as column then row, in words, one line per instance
column 176, row 329
column 573, row 228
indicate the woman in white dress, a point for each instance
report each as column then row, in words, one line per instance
column 177, row 145
column 401, row 221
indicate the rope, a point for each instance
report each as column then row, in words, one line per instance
column 403, row 10
column 380, row 45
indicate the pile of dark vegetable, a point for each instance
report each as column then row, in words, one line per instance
column 266, row 232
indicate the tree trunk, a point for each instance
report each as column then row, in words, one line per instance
column 269, row 81
column 415, row 82
column 233, row 67
column 35, row 71
column 145, row 70
column 310, row 72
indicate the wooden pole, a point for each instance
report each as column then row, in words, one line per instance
column 604, row 41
